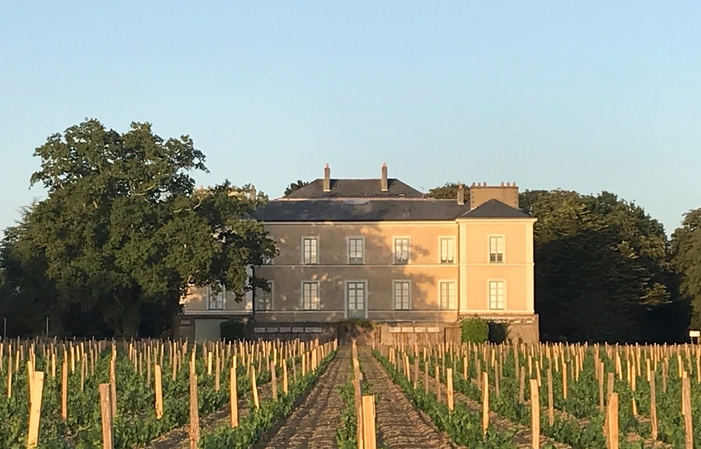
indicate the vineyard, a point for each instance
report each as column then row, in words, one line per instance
column 294, row 394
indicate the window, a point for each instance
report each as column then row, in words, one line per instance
column 356, row 296
column 310, row 296
column 496, row 295
column 310, row 250
column 447, row 249
column 264, row 300
column 447, row 295
column 496, row 249
column 401, row 251
column 401, row 292
column 215, row 301
column 355, row 250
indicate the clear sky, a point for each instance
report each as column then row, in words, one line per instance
column 587, row 96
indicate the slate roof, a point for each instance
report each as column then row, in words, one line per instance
column 495, row 209
column 361, row 210
column 355, row 188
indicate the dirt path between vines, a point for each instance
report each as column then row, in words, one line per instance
column 314, row 421
column 399, row 424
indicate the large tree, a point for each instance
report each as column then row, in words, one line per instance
column 602, row 269
column 124, row 231
column 686, row 249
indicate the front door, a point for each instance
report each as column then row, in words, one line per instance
column 355, row 299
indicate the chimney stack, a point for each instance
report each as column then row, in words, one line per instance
column 383, row 183
column 253, row 192
column 461, row 195
column 327, row 178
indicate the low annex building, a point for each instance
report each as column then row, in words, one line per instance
column 380, row 250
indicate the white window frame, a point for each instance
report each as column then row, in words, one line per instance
column 503, row 294
column 219, row 302
column 272, row 297
column 455, row 294
column 345, row 295
column 311, row 304
column 304, row 250
column 400, row 305
column 441, row 259
column 497, row 237
column 394, row 250
column 355, row 261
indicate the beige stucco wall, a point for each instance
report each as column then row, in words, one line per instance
column 471, row 270
column 195, row 302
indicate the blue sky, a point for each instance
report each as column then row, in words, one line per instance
column 587, row 96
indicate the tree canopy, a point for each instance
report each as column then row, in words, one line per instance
column 448, row 191
column 686, row 250
column 124, row 231
column 293, row 187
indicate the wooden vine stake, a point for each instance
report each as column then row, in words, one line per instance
column 159, row 391
column 254, row 387
column 37, row 388
column 653, row 408
column 438, row 383
column 64, row 390
column 485, row 404
column 369, row 422
column 194, row 413
column 686, row 408
column 449, row 387
column 106, row 412
column 233, row 396
column 612, row 421
column 285, row 387
column 551, row 411
column 113, row 387
column 535, row 415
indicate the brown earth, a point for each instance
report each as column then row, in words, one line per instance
column 314, row 421
column 399, row 424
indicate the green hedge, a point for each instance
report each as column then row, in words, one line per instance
column 479, row 330
column 232, row 330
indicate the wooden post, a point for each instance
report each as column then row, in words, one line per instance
column 438, row 384
column 612, row 420
column 159, row 391
column 369, row 422
column 551, row 411
column 64, row 390
column 535, row 415
column 194, row 413
column 653, row 408
column 426, row 377
column 37, row 389
column 686, row 407
column 522, row 387
column 254, row 387
column 449, row 387
column 113, row 388
column 273, row 381
column 233, row 396
column 106, row 412
column 485, row 404
column 285, row 388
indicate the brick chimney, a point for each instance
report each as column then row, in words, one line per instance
column 480, row 193
column 383, row 182
column 327, row 178
column 461, row 195
column 252, row 192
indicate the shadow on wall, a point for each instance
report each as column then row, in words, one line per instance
column 379, row 274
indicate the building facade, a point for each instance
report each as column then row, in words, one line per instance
column 379, row 250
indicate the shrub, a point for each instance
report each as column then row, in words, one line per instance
column 474, row 330
column 232, row 330
column 498, row 332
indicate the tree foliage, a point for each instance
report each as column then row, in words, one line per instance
column 602, row 268
column 448, row 191
column 293, row 187
column 686, row 250
column 123, row 231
